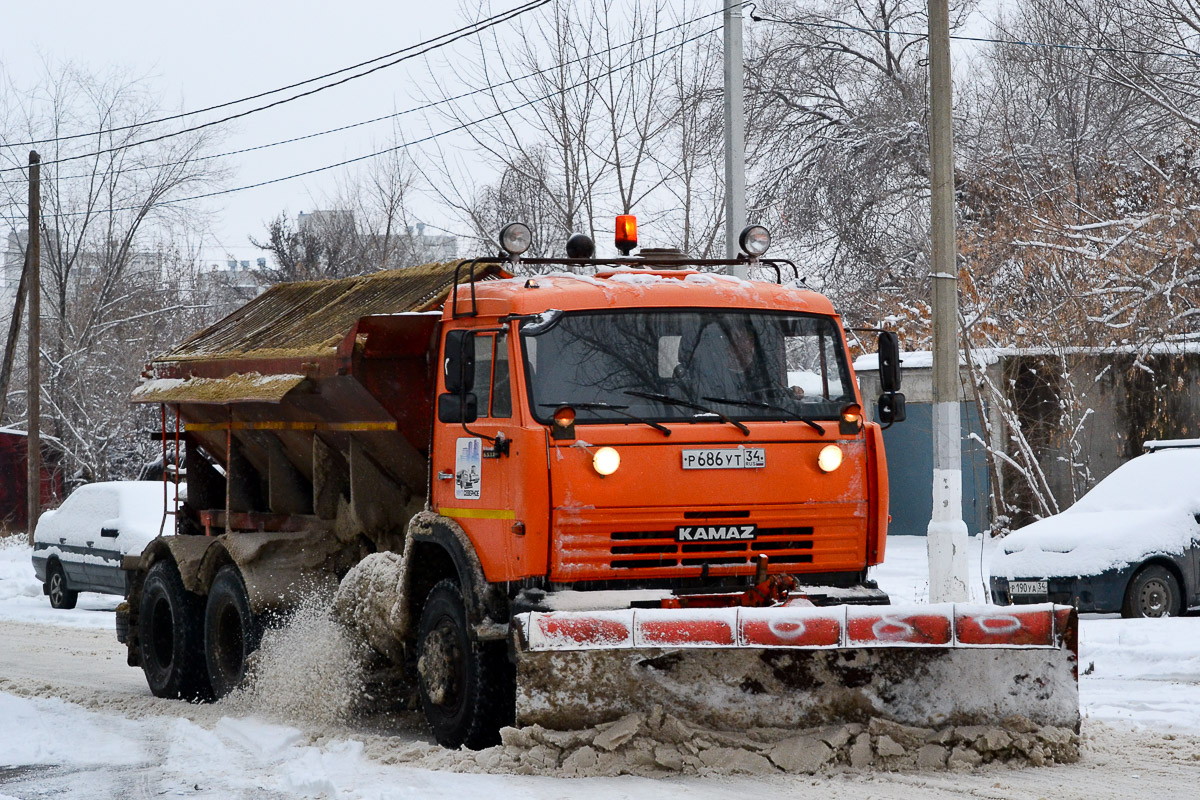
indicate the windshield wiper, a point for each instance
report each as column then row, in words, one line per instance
column 610, row 407
column 769, row 407
column 675, row 401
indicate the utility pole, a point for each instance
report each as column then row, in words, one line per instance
column 735, row 136
column 14, row 331
column 33, row 442
column 947, row 533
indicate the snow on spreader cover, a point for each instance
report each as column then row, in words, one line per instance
column 679, row 446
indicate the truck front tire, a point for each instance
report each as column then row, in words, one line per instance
column 231, row 631
column 171, row 636
column 466, row 686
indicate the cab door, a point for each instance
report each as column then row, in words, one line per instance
column 478, row 464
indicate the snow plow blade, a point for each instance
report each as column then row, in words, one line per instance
column 800, row 666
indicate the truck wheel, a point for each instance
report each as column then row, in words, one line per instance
column 466, row 686
column 56, row 587
column 170, row 635
column 231, row 631
column 1153, row 592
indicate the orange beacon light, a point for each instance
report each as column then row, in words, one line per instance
column 626, row 233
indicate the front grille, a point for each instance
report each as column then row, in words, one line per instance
column 783, row 545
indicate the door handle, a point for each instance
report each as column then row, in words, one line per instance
column 445, row 476
column 109, row 533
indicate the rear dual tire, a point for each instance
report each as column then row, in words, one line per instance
column 231, row 631
column 171, row 636
column 191, row 648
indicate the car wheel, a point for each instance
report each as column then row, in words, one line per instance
column 466, row 686
column 56, row 587
column 171, row 636
column 1153, row 592
column 231, row 631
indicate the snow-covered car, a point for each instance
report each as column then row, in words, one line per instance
column 1130, row 545
column 78, row 546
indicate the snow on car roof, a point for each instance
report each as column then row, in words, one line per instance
column 139, row 506
column 1163, row 479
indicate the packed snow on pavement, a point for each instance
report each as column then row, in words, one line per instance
column 76, row 722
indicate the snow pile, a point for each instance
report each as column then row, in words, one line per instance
column 32, row 734
column 16, row 569
column 308, row 669
column 1137, row 672
column 369, row 601
column 658, row 744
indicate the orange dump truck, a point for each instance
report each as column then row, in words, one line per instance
column 614, row 483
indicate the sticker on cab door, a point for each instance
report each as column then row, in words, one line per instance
column 468, row 477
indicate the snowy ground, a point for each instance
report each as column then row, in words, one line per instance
column 75, row 722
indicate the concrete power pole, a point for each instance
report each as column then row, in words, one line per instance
column 735, row 136
column 947, row 534
column 33, row 442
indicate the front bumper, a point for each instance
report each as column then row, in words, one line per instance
column 1103, row 593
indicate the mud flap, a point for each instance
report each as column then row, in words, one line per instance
column 788, row 667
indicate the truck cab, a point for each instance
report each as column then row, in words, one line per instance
column 656, row 429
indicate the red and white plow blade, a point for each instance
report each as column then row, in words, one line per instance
column 800, row 666
column 796, row 626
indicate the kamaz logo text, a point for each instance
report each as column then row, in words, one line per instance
column 714, row 533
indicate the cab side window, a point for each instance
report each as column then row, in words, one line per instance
column 483, row 372
column 501, row 388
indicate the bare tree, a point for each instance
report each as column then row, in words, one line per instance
column 368, row 227
column 106, row 304
column 596, row 111
column 838, row 146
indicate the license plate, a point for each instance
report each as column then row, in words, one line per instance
column 740, row 458
column 1027, row 587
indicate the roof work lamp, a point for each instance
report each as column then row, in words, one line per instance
column 515, row 238
column 626, row 233
column 754, row 241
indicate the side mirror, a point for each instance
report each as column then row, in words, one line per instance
column 459, row 364
column 891, row 408
column 457, row 408
column 889, row 362
column 109, row 533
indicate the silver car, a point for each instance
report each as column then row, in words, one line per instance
column 78, row 546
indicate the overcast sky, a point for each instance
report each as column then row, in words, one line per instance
column 199, row 54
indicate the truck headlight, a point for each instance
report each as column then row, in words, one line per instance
column 606, row 460
column 830, row 458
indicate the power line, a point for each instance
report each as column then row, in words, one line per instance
column 395, row 115
column 529, row 6
column 427, row 49
column 406, row 145
column 840, row 26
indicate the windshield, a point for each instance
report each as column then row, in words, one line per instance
column 743, row 365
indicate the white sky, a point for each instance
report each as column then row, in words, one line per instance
column 198, row 54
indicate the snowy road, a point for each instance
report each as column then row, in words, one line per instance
column 75, row 722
